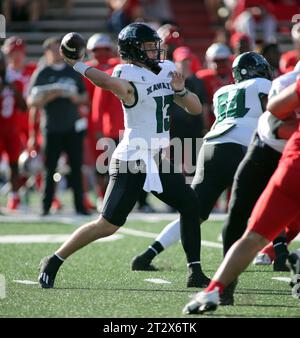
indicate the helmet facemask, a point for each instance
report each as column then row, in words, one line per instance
column 152, row 63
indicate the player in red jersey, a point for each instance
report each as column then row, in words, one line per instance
column 107, row 121
column 100, row 48
column 19, row 70
column 277, row 206
column 101, row 51
column 290, row 58
column 11, row 102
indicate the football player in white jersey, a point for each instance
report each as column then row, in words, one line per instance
column 265, row 222
column 147, row 87
column 258, row 166
column 237, row 108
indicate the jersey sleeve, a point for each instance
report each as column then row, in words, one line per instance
column 126, row 71
column 282, row 82
column 275, row 88
column 168, row 66
column 117, row 71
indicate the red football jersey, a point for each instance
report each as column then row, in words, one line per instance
column 288, row 61
column 107, row 112
column 8, row 107
column 23, row 78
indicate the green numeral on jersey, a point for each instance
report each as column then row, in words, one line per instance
column 163, row 105
column 233, row 107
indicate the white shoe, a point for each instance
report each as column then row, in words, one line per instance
column 293, row 262
column 262, row 259
column 202, row 302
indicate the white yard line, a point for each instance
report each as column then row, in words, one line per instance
column 157, row 281
column 27, row 282
column 138, row 233
column 75, row 219
column 146, row 234
column 60, row 238
column 282, row 279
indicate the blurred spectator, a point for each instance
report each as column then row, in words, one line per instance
column 213, row 8
column 289, row 59
column 100, row 48
column 240, row 43
column 11, row 101
column 283, row 10
column 272, row 54
column 183, row 125
column 29, row 11
column 19, row 70
column 171, row 39
column 58, row 90
column 21, row 10
column 257, row 23
column 123, row 12
column 67, row 5
column 158, row 11
column 217, row 74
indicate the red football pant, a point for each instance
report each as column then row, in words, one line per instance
column 279, row 204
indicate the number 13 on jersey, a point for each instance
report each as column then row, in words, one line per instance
column 163, row 105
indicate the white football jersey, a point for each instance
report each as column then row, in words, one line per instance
column 147, row 121
column 266, row 121
column 237, row 108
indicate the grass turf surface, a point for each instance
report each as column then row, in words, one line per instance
column 97, row 281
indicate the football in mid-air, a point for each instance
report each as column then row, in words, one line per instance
column 73, row 46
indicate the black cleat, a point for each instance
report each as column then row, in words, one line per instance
column 280, row 263
column 140, row 264
column 196, row 278
column 227, row 297
column 48, row 270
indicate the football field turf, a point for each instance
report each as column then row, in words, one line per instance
column 97, row 280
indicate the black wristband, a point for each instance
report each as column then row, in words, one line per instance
column 181, row 93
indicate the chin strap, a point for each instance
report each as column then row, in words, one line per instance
column 156, row 69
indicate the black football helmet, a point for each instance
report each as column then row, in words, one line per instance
column 131, row 41
column 250, row 65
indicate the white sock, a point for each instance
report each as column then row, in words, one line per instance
column 191, row 263
column 170, row 234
